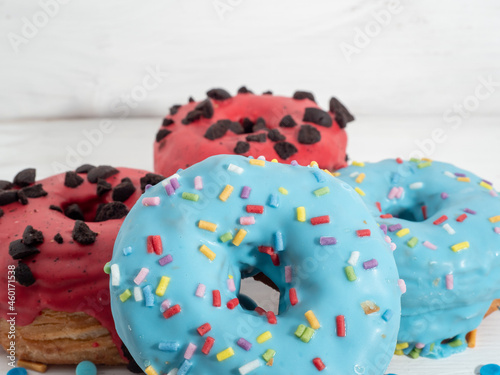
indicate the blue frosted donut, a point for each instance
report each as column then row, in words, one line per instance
column 446, row 228
column 180, row 255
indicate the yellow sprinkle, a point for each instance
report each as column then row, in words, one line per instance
column 226, row 193
column 274, row 161
column 402, row 345
column 225, row 354
column 460, row 246
column 125, row 295
column 313, row 321
column 264, row 337
column 35, row 366
column 494, row 219
column 463, row 179
column 336, row 174
column 239, row 237
column 314, row 164
column 258, row 162
column 283, row 191
column 358, row 164
column 359, row 191
column 207, row 225
column 485, row 185
column 150, row 370
column 402, row 232
column 207, row 252
column 360, row 178
column 301, row 214
column 398, row 352
column 471, row 339
column 229, row 276
column 162, row 286
column 327, row 171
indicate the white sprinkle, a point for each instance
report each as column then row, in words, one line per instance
column 138, row 294
column 449, row 174
column 416, row 185
column 173, row 371
column 393, row 246
column 167, row 180
column 447, row 227
column 430, row 245
column 235, row 169
column 354, row 174
column 262, row 157
column 141, row 276
column 250, row 366
column 353, row 260
column 115, row 275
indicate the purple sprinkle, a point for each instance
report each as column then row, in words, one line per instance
column 488, row 182
column 444, row 195
column 384, row 228
column 294, row 163
column 460, row 175
column 469, row 211
column 147, row 187
column 370, row 264
column 327, row 241
column 395, row 227
column 244, row 344
column 169, row 189
column 165, row 260
column 175, row 184
column 245, row 192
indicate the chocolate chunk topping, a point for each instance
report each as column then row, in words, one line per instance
column 247, row 125
column 275, row 135
column 22, row 198
column 35, row 191
column 191, row 117
column 218, row 94
column 206, row 108
column 24, row 276
column 285, row 149
column 25, row 177
column 82, row 233
column 299, row 95
column 85, row 168
column 260, row 124
column 103, row 171
column 5, row 185
column 31, row 236
column 267, row 93
column 132, row 365
column 309, row 135
column 1, row 212
column 8, row 197
column 191, row 99
column 150, row 179
column 236, row 127
column 56, row 208
column 244, row 90
column 174, row 109
column 342, row 114
column 20, row 250
column 217, row 130
column 123, row 191
column 261, row 137
column 167, row 122
column 346, row 158
column 162, row 133
column 73, row 211
column 58, row 238
column 110, row 211
column 318, row 117
column 241, row 147
column 72, row 180
column 287, row 122
column 103, row 187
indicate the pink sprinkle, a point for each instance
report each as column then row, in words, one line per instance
column 189, row 351
column 444, row 195
column 151, row 201
column 419, row 345
column 198, row 183
column 288, row 274
column 393, row 246
column 169, row 189
column 449, row 282
column 247, row 220
column 230, row 285
column 430, row 245
column 165, row 305
column 141, row 275
column 392, row 194
column 497, row 230
column 493, row 193
column 387, row 239
column 200, row 291
column 294, row 163
column 402, row 285
column 400, row 193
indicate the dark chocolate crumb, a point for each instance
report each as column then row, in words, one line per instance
column 192, row 116
column 267, row 93
column 285, row 149
column 247, row 125
column 260, row 124
column 206, row 108
column 241, row 147
column 102, row 171
column 5, row 185
column 217, row 130
column 346, row 158
column 56, row 208
column 24, row 276
column 20, row 250
column 35, row 191
column 174, row 109
column 7, row 197
column 58, row 238
column 31, row 236
column 318, row 117
column 123, row 191
column 83, row 234
column 85, row 168
column 132, row 365
column 275, row 135
column 300, row 95
column 72, row 180
column 22, row 198
column 1, row 212
column 167, row 122
column 110, row 211
column 309, row 135
column 236, row 127
column 261, row 137
column 244, row 90
column 218, row 94
column 73, row 211
column 25, row 178
column 162, row 133
column 103, row 187
column 342, row 114
column 191, row 99
column 150, row 179
column 287, row 122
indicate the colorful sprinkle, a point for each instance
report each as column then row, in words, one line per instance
column 363, row 233
column 141, row 275
column 307, row 335
column 460, row 246
column 395, row 227
column 349, row 272
column 387, row 315
column 321, row 191
column 449, row 229
column 324, row 241
column 283, row 191
column 320, row 176
column 235, row 169
column 340, row 320
column 175, row 182
column 494, row 219
column 115, row 275
column 440, row 220
column 274, row 200
column 301, row 214
column 202, row 224
column 207, row 252
column 191, row 348
column 138, row 297
column 239, row 237
column 412, row 242
column 162, row 286
column 269, row 354
column 278, row 241
column 463, row 179
column 353, row 259
column 300, row 330
column 247, row 220
column 244, row 344
column 360, row 178
column 255, row 209
column 358, row 164
column 216, row 299
column 449, row 282
column 258, row 162
column 359, row 191
column 250, row 366
column 149, row 370
column 403, row 232
column 271, row 317
column 264, row 337
column 203, row 329
column 151, row 201
column 174, row 310
column 402, row 286
column 169, row 189
column 325, row 219
column 148, row 296
column 185, row 367
column 288, row 274
column 198, row 183
column 313, row 321
column 190, row 196
column 226, row 193
column 245, row 192
column 416, row 185
column 233, row 303
column 125, row 295
column 424, row 164
column 293, row 296
column 369, row 307
column 370, row 264
column 168, row 346
column 154, row 245
column 318, row 363
column 430, row 245
column 200, row 290
column 230, row 284
column 228, row 236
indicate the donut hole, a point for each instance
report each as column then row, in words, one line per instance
column 258, row 291
column 412, row 213
column 85, row 210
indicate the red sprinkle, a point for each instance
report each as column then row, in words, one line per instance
column 260, row 310
column 293, row 296
column 386, row 216
column 399, row 160
column 255, row 209
column 95, row 344
column 233, row 303
column 363, row 233
column 204, row 328
column 424, row 212
column 207, row 346
column 170, row 312
column 379, row 206
column 340, row 326
column 275, row 259
column 266, row 250
column 154, row 245
column 461, row 218
column 271, row 318
column 216, row 301
column 320, row 220
column 441, row 220
column 319, row 364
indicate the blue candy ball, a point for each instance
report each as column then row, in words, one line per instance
column 18, row 371
column 86, row 368
column 490, row 369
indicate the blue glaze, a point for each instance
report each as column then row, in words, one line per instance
column 430, row 312
column 318, row 273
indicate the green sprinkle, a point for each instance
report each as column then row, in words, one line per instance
column 125, row 295
column 415, row 160
column 415, row 353
column 190, row 196
column 226, row 237
column 455, row 343
column 424, row 164
column 431, row 348
column 300, row 330
column 349, row 272
column 107, row 268
column 412, row 242
column 322, row 191
column 307, row 335
column 268, row 355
